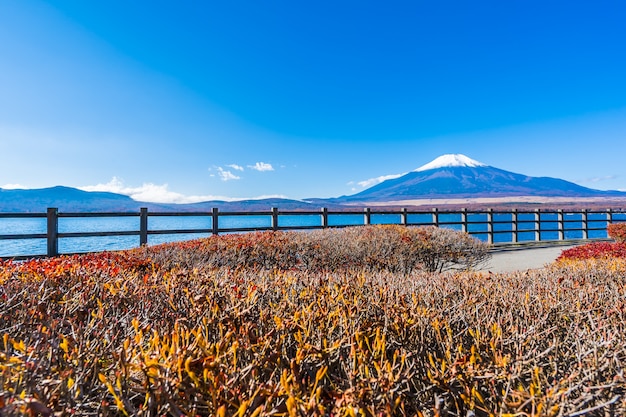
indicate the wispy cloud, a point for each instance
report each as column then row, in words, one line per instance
column 226, row 175
column 13, row 187
column 599, row 179
column 261, row 166
column 235, row 167
column 374, row 181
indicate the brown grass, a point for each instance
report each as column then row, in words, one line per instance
column 117, row 334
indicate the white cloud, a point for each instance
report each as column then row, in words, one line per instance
column 235, row 167
column 154, row 193
column 261, row 166
column 263, row 197
column 374, row 181
column 149, row 192
column 14, row 187
column 226, row 175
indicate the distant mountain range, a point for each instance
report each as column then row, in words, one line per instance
column 68, row 199
column 457, row 176
column 447, row 177
column 64, row 198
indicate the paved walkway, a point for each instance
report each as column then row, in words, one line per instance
column 522, row 259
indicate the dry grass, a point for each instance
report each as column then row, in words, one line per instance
column 118, row 334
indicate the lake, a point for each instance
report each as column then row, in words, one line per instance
column 477, row 226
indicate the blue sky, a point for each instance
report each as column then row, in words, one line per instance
column 194, row 100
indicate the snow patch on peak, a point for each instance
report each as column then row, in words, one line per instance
column 450, row 160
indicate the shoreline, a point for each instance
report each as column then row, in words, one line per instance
column 517, row 202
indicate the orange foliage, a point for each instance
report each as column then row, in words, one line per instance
column 131, row 333
column 617, row 231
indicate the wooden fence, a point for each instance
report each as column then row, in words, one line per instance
column 488, row 225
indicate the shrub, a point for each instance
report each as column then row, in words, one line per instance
column 595, row 250
column 392, row 248
column 257, row 250
column 374, row 248
column 441, row 249
column 617, row 231
column 114, row 335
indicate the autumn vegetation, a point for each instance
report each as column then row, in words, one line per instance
column 390, row 248
column 601, row 250
column 368, row 321
column 617, row 231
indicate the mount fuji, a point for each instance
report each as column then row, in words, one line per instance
column 458, row 176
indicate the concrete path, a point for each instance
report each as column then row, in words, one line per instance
column 522, row 259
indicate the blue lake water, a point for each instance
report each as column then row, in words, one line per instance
column 503, row 228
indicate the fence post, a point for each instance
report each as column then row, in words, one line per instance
column 537, row 225
column 215, row 229
column 367, row 217
column 274, row 218
column 143, row 226
column 585, row 224
column 464, row 220
column 560, row 225
column 435, row 217
column 324, row 218
column 514, row 225
column 404, row 217
column 53, row 231
column 489, row 225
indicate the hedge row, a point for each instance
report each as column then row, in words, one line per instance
column 373, row 248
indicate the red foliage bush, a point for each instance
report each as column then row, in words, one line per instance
column 595, row 250
column 617, row 231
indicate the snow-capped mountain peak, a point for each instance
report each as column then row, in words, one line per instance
column 457, row 176
column 450, row 160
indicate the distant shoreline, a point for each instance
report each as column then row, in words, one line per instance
column 519, row 202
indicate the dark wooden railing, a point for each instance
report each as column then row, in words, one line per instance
column 488, row 225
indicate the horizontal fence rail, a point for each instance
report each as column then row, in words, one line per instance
column 496, row 227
